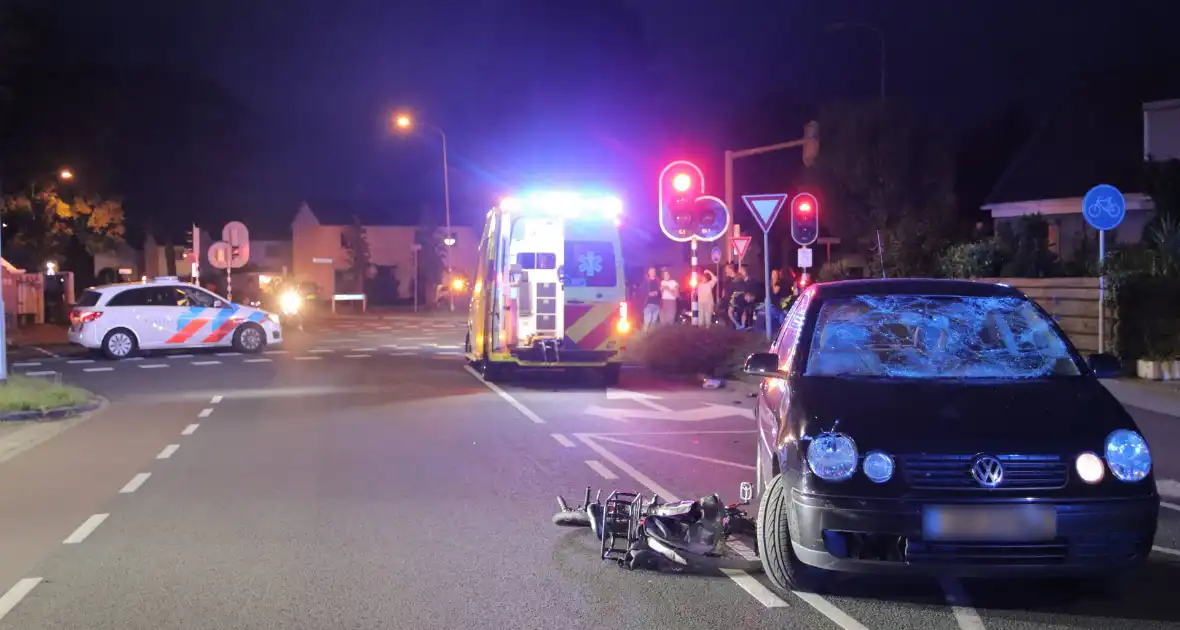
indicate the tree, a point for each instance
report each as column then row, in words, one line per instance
column 43, row 226
column 432, row 258
column 879, row 169
column 356, row 241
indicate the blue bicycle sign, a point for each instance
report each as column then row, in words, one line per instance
column 1104, row 207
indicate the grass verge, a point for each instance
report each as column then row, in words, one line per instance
column 25, row 393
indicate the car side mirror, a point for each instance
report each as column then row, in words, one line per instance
column 1105, row 365
column 764, row 364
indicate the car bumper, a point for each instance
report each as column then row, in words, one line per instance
column 274, row 333
column 88, row 336
column 1094, row 537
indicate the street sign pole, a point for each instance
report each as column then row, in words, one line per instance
column 765, row 209
column 692, row 285
column 766, row 273
column 1104, row 208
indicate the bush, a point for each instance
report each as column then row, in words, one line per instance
column 689, row 350
column 970, row 260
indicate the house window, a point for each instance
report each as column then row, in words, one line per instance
column 1055, row 238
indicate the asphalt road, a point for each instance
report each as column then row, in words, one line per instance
column 349, row 483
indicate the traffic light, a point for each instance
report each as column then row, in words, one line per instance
column 686, row 212
column 804, row 218
column 810, row 142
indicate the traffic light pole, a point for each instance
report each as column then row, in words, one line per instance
column 766, row 267
column 692, row 285
column 730, row 156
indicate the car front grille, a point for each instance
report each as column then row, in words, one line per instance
column 953, row 472
column 1007, row 554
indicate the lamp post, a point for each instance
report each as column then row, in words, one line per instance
column 847, row 26
column 64, row 174
column 405, row 123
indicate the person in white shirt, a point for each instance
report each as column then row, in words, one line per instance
column 705, row 300
column 669, row 297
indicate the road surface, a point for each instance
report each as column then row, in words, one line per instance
column 361, row 477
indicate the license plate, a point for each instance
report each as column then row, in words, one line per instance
column 989, row 523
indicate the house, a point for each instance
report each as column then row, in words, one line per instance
column 1102, row 135
column 320, row 248
column 270, row 253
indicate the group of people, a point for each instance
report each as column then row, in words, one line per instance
column 737, row 295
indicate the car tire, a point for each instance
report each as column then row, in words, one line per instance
column 119, row 343
column 785, row 570
column 249, row 338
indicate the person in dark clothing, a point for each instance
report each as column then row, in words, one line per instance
column 651, row 299
column 740, row 309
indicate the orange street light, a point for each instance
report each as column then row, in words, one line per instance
column 402, row 121
column 66, row 174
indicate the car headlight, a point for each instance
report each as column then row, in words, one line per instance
column 832, row 456
column 289, row 302
column 1090, row 468
column 274, row 319
column 1127, row 455
column 878, row 467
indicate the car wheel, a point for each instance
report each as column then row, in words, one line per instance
column 779, row 561
column 249, row 338
column 119, row 343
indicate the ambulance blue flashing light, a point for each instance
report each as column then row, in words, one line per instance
column 572, row 205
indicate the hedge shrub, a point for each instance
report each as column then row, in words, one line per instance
column 690, row 350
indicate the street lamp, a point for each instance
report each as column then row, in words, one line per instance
column 847, row 26
column 65, row 174
column 406, row 123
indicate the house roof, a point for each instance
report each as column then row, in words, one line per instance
column 341, row 212
column 1094, row 137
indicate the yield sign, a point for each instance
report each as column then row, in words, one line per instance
column 741, row 244
column 765, row 208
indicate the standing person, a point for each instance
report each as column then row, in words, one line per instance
column 727, row 291
column 705, row 300
column 651, row 303
column 740, row 308
column 670, row 294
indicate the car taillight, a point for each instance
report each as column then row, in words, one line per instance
column 82, row 318
column 624, row 324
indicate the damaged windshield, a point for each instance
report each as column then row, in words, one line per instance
column 924, row 336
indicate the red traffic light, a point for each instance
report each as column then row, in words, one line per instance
column 805, row 207
column 682, row 182
column 804, row 219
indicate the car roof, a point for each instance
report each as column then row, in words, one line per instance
column 122, row 286
column 914, row 286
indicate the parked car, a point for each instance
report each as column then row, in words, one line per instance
column 943, row 427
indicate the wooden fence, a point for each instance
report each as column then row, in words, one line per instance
column 1073, row 302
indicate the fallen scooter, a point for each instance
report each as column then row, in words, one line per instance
column 704, row 534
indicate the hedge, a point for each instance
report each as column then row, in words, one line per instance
column 679, row 349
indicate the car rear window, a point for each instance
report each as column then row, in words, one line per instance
column 89, row 298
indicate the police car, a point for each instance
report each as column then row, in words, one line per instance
column 167, row 314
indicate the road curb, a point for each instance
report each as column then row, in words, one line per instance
column 61, row 413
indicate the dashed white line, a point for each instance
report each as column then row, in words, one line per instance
column 1164, row 504
column 85, row 529
column 41, row 373
column 525, row 411
column 18, row 592
column 215, row 400
column 26, row 364
column 308, row 358
column 135, row 483
column 134, row 359
column 46, row 352
column 151, row 366
column 402, row 354
column 320, row 350
column 257, row 361
column 180, row 356
column 603, row 471
column 364, row 349
column 168, row 451
column 449, row 354
column 190, row 429
column 80, row 361
column 357, row 356
column 98, row 369
column 956, row 596
column 206, row 362
column 756, row 589
column 275, row 352
column 205, row 413
column 1166, row 551
column 563, row 440
column 229, row 354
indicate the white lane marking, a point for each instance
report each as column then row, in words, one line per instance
column 151, row 366
column 960, row 604
column 206, row 362
column 257, row 361
column 402, row 354
column 134, row 359
column 85, row 529
column 1166, row 550
column 135, row 483
column 98, row 369
column 275, row 352
column 229, row 354
column 190, row 429
column 364, row 349
column 205, row 413
column 449, row 354
column 703, row 432
column 756, row 589
column 357, row 356
column 215, row 400
column 1170, row 506
column 1169, row 488
column 168, row 451
column 308, row 358
column 320, row 350
column 41, row 373
column 643, row 479
column 46, row 352
column 829, row 610
column 525, row 411
column 441, row 347
column 27, row 364
column 666, row 451
column 180, row 356
column 603, row 471
column 563, row 440
column 18, row 592
column 80, row 361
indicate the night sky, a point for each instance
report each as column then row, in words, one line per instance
column 599, row 92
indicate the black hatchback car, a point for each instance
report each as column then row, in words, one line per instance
column 942, row 427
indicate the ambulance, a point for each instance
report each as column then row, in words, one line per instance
column 549, row 291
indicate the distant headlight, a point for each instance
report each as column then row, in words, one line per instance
column 289, row 302
column 878, row 467
column 1127, row 455
column 832, row 456
column 273, row 318
column 1090, row 468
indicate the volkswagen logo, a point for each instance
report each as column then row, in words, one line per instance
column 987, row 471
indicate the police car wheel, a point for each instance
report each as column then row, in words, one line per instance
column 119, row 344
column 249, row 338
